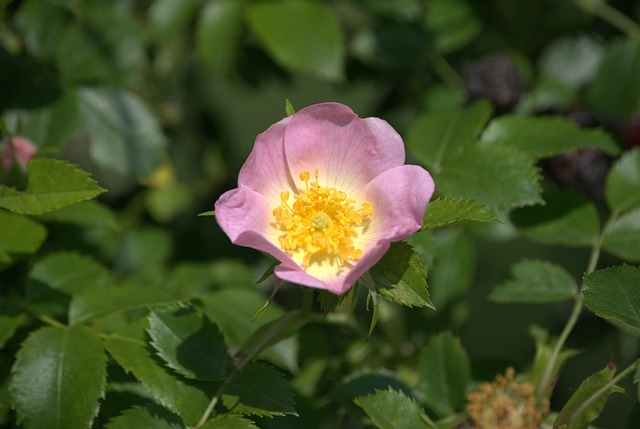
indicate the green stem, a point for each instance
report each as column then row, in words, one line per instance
column 446, row 72
column 611, row 15
column 50, row 321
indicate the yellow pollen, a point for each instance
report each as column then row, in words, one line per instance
column 321, row 223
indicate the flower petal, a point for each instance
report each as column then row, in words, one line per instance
column 348, row 151
column 266, row 170
column 325, row 278
column 245, row 216
column 399, row 197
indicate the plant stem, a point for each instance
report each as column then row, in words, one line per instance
column 50, row 321
column 446, row 72
column 611, row 15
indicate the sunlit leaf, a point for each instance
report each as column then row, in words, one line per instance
column 390, row 409
column 259, row 390
column 188, row 342
column 450, row 211
column 53, row 184
column 218, row 34
column 51, row 386
column 613, row 294
column 301, row 35
column 445, row 370
column 588, row 401
column 502, row 178
column 534, row 281
column 20, row 235
column 623, row 183
column 437, row 135
column 542, row 137
column 400, row 277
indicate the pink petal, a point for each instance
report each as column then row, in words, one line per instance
column 246, row 216
column 332, row 283
column 348, row 151
column 399, row 198
column 266, row 170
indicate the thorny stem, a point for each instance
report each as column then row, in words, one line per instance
column 575, row 313
column 611, row 15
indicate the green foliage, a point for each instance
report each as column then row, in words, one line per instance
column 623, row 183
column 229, row 421
column 391, row 409
column 445, row 371
column 613, row 294
column 218, row 34
column 622, row 237
column 536, row 281
column 452, row 23
column 451, row 211
column 52, row 388
column 138, row 417
column 53, row 184
column 21, row 235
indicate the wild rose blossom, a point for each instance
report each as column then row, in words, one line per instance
column 21, row 149
column 325, row 192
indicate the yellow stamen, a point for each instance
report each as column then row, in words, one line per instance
column 321, row 223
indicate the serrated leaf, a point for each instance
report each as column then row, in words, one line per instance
column 566, row 219
column 125, row 136
column 542, row 137
column 187, row 398
column 85, row 213
column 502, row 178
column 51, row 386
column 400, row 277
column 53, row 184
column 451, row 211
column 534, row 281
column 436, row 136
column 367, row 382
column 259, row 390
column 622, row 236
column 218, row 34
column 69, row 272
column 613, row 294
column 390, row 409
column 152, row 416
column 616, row 90
column 301, row 35
column 588, row 401
column 99, row 301
column 20, row 235
column 622, row 189
column 445, row 370
column 188, row 342
column 229, row 421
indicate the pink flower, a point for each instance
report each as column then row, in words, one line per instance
column 20, row 148
column 325, row 193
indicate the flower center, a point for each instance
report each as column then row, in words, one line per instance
column 321, row 223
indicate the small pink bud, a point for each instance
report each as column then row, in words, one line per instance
column 20, row 149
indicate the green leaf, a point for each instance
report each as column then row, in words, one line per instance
column 445, row 371
column 152, row 416
column 170, row 18
column 52, row 386
column 187, row 398
column 69, row 272
column 125, row 136
column 400, row 277
column 622, row 237
column 390, row 409
column 100, row 301
column 229, row 421
column 366, row 382
column 588, row 401
column 85, row 213
column 542, row 137
column 567, row 219
column 622, row 189
column 20, row 234
column 613, row 294
column 571, row 61
column 301, row 35
column 8, row 326
column 538, row 282
column 544, row 374
column 502, row 178
column 616, row 89
column 218, row 34
column 451, row 211
column 208, row 213
column 436, row 136
column 259, row 390
column 42, row 25
column 53, row 184
column 188, row 342
column 452, row 23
